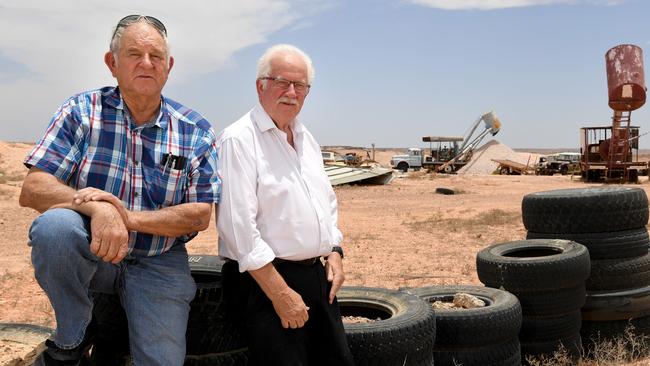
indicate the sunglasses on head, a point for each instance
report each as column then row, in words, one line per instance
column 130, row 19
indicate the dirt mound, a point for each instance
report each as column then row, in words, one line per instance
column 481, row 162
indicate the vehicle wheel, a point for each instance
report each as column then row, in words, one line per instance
column 404, row 335
column 619, row 274
column 498, row 321
column 445, row 191
column 449, row 169
column 504, row 171
column 606, row 245
column 585, row 210
column 403, row 167
column 633, row 176
column 533, row 265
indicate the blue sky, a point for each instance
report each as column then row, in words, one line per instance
column 387, row 71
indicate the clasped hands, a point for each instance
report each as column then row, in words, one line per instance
column 109, row 223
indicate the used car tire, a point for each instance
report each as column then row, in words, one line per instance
column 548, row 328
column 445, row 191
column 499, row 321
column 606, row 245
column 33, row 336
column 404, row 335
column 619, row 274
column 212, row 337
column 533, row 265
column 585, row 210
column 479, row 336
column 618, row 305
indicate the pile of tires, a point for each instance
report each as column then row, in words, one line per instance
column 548, row 277
column 401, row 330
column 611, row 223
column 211, row 338
column 481, row 336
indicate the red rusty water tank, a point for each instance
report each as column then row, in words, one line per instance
column 625, row 79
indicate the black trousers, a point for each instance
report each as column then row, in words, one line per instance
column 321, row 341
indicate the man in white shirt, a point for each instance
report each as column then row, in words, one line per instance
column 277, row 218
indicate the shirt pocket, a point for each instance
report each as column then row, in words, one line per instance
column 168, row 186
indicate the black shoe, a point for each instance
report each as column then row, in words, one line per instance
column 55, row 356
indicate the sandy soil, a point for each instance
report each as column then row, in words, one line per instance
column 401, row 234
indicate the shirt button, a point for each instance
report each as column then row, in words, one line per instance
column 136, row 194
column 136, row 163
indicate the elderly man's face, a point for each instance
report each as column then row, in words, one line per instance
column 141, row 67
column 283, row 105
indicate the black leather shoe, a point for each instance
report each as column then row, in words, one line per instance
column 55, row 356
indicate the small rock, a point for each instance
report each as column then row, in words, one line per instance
column 442, row 305
column 468, row 301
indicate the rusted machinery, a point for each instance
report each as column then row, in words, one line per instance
column 611, row 152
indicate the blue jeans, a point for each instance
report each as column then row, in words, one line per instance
column 155, row 291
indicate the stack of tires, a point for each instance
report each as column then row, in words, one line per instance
column 548, row 277
column 611, row 223
column 212, row 338
column 480, row 336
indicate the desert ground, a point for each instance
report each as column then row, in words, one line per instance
column 400, row 234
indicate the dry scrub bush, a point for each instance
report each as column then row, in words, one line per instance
column 494, row 217
column 625, row 349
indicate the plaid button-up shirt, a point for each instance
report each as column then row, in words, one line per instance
column 92, row 142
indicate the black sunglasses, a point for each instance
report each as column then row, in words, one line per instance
column 130, row 19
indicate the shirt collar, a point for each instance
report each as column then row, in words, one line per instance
column 114, row 99
column 265, row 123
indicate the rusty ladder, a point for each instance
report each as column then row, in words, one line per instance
column 619, row 146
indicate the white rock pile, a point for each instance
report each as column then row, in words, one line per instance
column 481, row 162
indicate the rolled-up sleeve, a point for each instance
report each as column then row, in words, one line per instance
column 238, row 206
column 337, row 235
column 204, row 183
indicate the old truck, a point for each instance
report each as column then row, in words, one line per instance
column 562, row 163
column 447, row 153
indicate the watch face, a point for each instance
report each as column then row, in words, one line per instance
column 338, row 250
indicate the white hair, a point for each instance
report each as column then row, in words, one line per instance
column 264, row 63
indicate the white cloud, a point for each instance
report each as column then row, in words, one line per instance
column 59, row 45
column 501, row 4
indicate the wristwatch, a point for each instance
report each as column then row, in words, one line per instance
column 338, row 249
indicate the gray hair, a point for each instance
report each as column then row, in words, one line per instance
column 264, row 63
column 116, row 40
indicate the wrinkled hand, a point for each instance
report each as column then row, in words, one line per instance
column 110, row 238
column 93, row 194
column 335, row 274
column 291, row 309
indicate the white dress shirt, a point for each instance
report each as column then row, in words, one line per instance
column 276, row 201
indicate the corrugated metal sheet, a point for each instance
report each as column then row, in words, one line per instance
column 346, row 174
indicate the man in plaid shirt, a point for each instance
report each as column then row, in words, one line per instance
column 123, row 177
